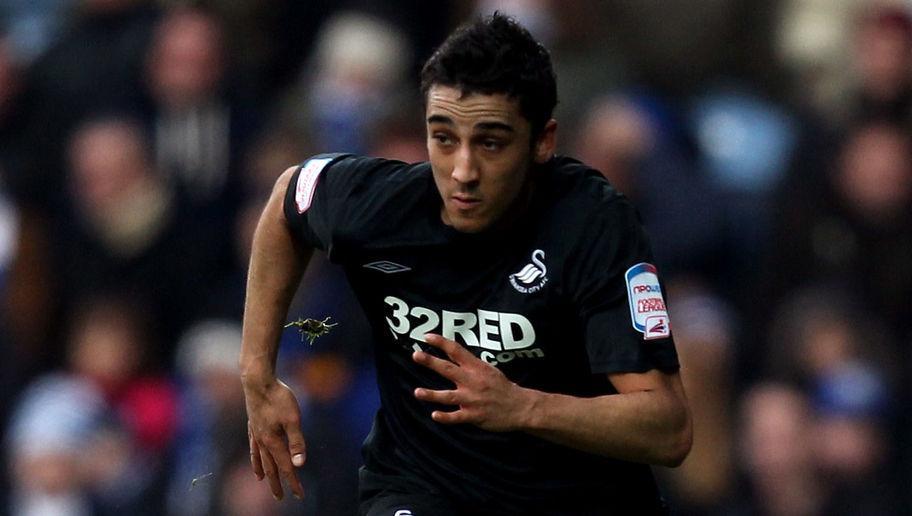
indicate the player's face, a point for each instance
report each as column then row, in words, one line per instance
column 480, row 152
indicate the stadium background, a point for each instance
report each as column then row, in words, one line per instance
column 766, row 144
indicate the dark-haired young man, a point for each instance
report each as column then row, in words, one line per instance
column 523, row 349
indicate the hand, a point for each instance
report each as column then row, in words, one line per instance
column 274, row 432
column 485, row 396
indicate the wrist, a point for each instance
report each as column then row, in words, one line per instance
column 529, row 415
column 256, row 375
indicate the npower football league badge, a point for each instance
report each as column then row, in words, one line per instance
column 647, row 306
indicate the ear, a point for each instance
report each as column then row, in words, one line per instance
column 547, row 142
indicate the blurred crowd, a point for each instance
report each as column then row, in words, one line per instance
column 767, row 145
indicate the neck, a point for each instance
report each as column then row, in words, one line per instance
column 521, row 205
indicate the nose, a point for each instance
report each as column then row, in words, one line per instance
column 465, row 168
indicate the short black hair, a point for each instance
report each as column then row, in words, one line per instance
column 494, row 55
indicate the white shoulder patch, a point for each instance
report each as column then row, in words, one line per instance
column 647, row 306
column 307, row 182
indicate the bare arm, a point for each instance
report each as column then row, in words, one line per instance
column 276, row 266
column 648, row 421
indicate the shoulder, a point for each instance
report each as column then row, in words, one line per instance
column 583, row 195
column 346, row 175
column 359, row 197
column 353, row 168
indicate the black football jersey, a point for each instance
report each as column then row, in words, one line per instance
column 564, row 296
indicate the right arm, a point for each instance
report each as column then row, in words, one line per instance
column 276, row 265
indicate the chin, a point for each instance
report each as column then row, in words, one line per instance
column 468, row 225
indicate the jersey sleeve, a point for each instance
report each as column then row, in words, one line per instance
column 307, row 206
column 332, row 195
column 619, row 296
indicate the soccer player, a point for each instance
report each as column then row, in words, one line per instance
column 523, row 349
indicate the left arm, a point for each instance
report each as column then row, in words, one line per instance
column 647, row 421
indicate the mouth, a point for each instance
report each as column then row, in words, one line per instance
column 464, row 202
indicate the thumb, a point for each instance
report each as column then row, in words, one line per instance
column 296, row 447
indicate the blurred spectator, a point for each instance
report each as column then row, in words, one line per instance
column 855, row 230
column 212, row 417
column 860, row 51
column 401, row 135
column 616, row 138
column 273, row 151
column 883, row 62
column 850, row 444
column 745, row 141
column 639, row 141
column 95, row 66
column 704, row 332
column 108, row 345
column 71, row 455
column 820, row 330
column 119, row 475
column 130, row 231
column 200, row 121
column 242, row 495
column 34, row 25
column 53, row 421
column 776, row 428
column 872, row 40
column 359, row 65
column 840, row 354
column 813, row 40
column 124, row 456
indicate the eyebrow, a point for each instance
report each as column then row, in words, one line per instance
column 485, row 126
column 440, row 119
column 495, row 126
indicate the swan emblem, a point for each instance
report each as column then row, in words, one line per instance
column 532, row 276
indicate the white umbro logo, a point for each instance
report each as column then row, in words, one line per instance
column 387, row 267
column 533, row 276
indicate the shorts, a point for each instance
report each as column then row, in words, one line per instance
column 406, row 504
column 393, row 495
column 390, row 494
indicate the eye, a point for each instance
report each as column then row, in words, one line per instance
column 492, row 145
column 443, row 138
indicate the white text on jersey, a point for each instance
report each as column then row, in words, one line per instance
column 508, row 335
